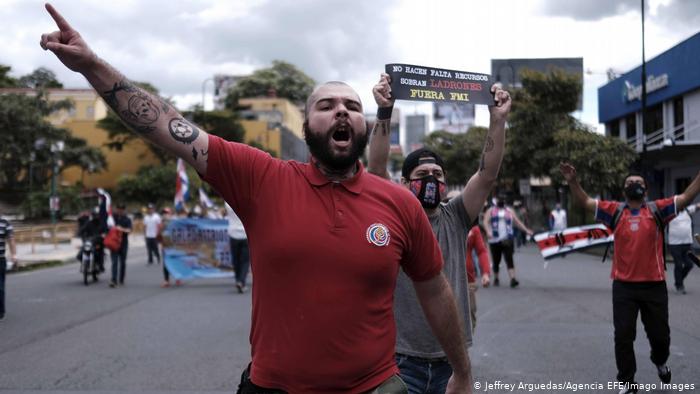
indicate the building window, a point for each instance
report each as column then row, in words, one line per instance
column 71, row 112
column 654, row 119
column 90, row 111
column 614, row 128
column 678, row 133
column 631, row 122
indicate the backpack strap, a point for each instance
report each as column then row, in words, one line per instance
column 613, row 224
column 616, row 216
column 660, row 225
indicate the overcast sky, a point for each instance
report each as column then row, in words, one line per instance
column 176, row 45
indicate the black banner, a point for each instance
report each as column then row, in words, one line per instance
column 409, row 82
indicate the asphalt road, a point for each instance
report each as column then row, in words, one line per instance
column 62, row 337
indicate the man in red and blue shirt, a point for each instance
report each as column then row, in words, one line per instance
column 327, row 238
column 638, row 274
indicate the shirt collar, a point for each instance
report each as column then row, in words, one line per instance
column 315, row 177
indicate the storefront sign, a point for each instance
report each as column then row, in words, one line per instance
column 631, row 92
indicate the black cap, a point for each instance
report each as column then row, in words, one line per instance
column 416, row 158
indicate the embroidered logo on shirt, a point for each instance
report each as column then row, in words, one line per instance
column 634, row 225
column 378, row 234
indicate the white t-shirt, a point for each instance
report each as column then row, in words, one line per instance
column 559, row 219
column 235, row 226
column 151, row 224
column 680, row 229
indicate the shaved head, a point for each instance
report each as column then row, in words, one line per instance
column 314, row 95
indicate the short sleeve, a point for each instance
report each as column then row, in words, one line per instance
column 605, row 210
column 236, row 170
column 691, row 209
column 456, row 207
column 423, row 259
column 667, row 208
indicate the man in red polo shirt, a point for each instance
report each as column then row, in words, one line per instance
column 327, row 238
column 638, row 275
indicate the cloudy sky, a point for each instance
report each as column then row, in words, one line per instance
column 176, row 45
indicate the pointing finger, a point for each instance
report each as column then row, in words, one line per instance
column 62, row 24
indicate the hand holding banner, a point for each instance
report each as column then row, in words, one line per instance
column 409, row 82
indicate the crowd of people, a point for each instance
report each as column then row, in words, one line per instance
column 329, row 228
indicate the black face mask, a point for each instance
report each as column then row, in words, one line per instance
column 635, row 192
column 500, row 203
column 428, row 190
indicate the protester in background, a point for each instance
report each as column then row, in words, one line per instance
column 123, row 224
column 521, row 213
column 557, row 218
column 167, row 217
column 94, row 230
column 152, row 227
column 240, row 256
column 498, row 223
column 476, row 246
column 638, row 267
column 6, row 238
column 680, row 242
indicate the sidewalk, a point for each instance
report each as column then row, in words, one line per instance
column 63, row 252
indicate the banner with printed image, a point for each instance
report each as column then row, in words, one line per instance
column 197, row 248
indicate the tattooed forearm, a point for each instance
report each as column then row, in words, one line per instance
column 488, row 146
column 482, row 162
column 136, row 108
column 183, row 131
column 381, row 127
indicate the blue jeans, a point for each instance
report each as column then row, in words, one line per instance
column 423, row 376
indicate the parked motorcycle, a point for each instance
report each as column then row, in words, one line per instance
column 89, row 264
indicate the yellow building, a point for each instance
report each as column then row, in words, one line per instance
column 276, row 124
column 81, row 120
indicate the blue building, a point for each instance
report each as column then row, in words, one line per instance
column 669, row 145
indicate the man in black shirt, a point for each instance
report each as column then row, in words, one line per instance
column 123, row 224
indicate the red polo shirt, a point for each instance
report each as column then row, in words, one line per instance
column 325, row 256
column 638, row 244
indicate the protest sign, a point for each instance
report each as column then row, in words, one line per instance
column 409, row 82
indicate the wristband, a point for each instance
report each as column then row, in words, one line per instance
column 384, row 113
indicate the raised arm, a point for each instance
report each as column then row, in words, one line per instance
column 379, row 142
column 480, row 184
column 487, row 223
column 437, row 300
column 146, row 114
column 684, row 199
column 580, row 196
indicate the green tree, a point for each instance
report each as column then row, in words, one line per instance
column 6, row 81
column 460, row 152
column 119, row 136
column 257, row 145
column 41, row 78
column 224, row 123
column 28, row 138
column 543, row 133
column 154, row 184
column 284, row 78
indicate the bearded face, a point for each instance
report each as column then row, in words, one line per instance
column 339, row 147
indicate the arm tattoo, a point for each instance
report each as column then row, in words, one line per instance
column 488, row 146
column 204, row 153
column 183, row 131
column 194, row 154
column 381, row 127
column 141, row 110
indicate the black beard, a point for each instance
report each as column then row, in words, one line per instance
column 319, row 146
